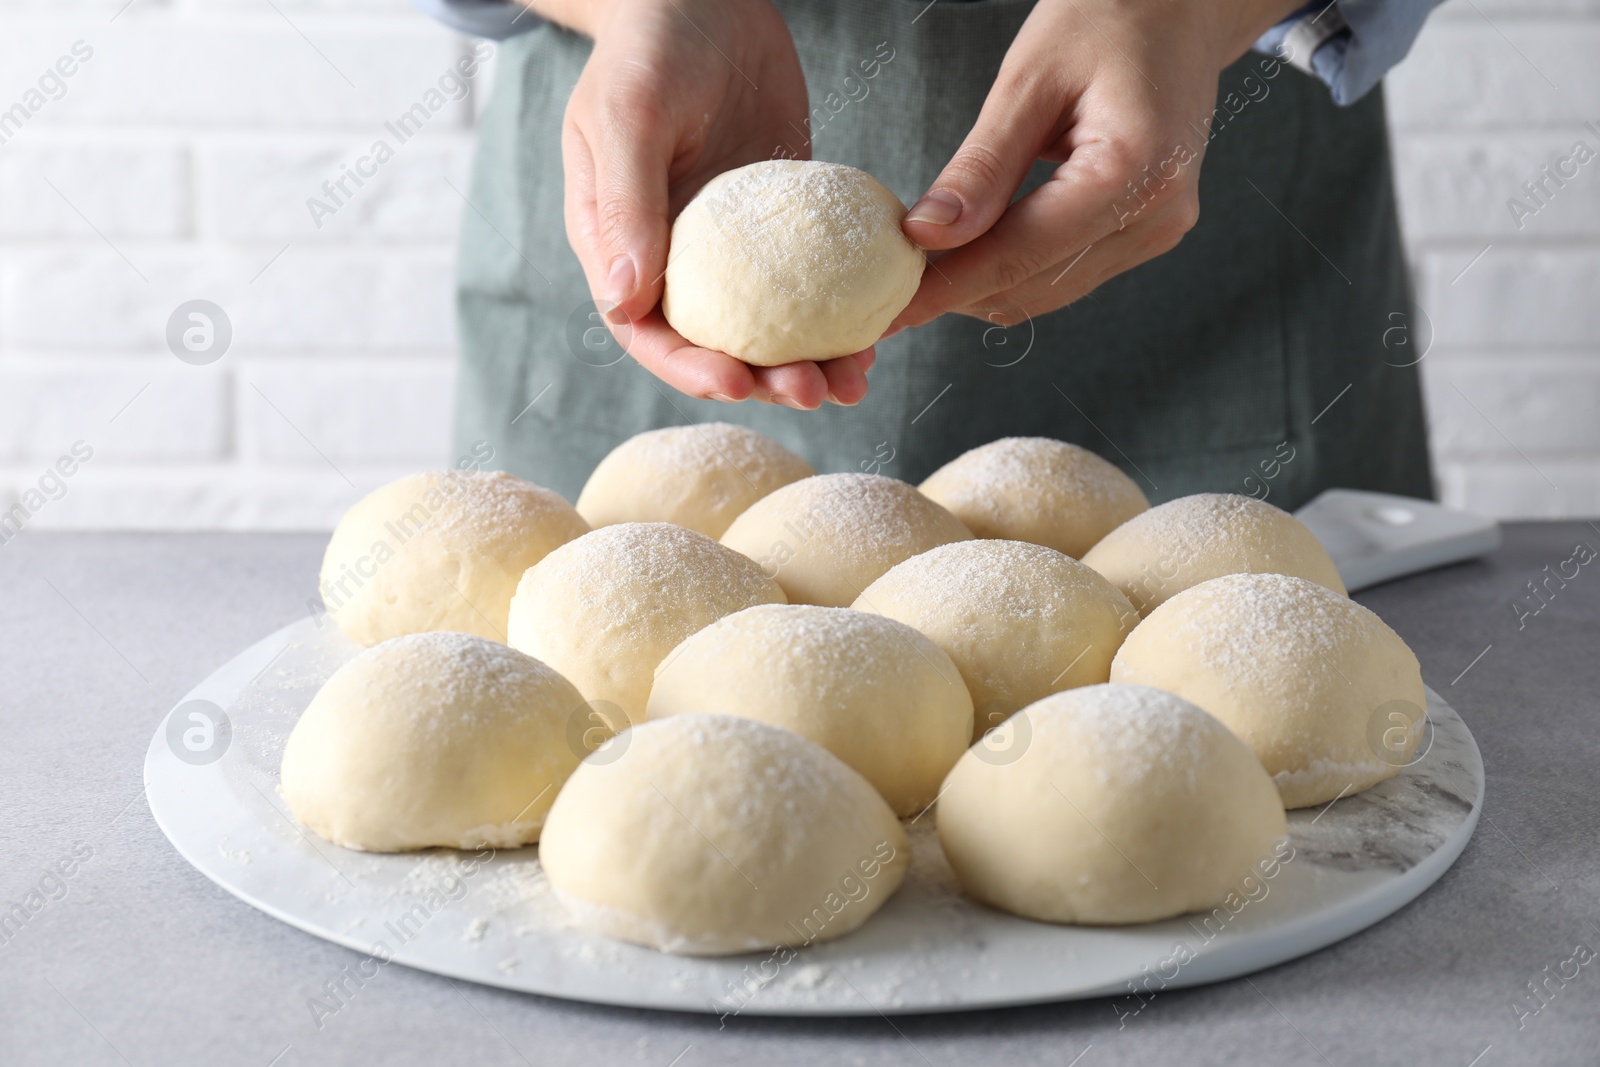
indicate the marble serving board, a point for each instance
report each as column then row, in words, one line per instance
column 490, row 917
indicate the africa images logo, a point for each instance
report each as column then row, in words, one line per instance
column 198, row 732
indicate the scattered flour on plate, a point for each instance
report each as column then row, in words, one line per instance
column 809, row 976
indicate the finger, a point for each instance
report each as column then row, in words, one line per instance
column 1084, row 272
column 688, row 368
column 577, row 201
column 847, row 380
column 632, row 147
column 865, row 359
column 1019, row 119
column 794, row 385
column 1075, row 208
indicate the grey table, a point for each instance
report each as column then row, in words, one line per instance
column 134, row 957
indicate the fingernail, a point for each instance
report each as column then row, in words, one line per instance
column 835, row 400
column 937, row 208
column 788, row 402
column 620, row 284
column 724, row 397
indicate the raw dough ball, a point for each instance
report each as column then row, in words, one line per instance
column 696, row 476
column 1039, row 490
column 432, row 739
column 788, row 260
column 710, row 835
column 439, row 551
column 1108, row 804
column 605, row 609
column 829, row 537
column 872, row 691
column 1328, row 697
column 1020, row 621
column 1179, row 544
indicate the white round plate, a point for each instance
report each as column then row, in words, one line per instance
column 211, row 778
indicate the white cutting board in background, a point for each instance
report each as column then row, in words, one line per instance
column 1374, row 537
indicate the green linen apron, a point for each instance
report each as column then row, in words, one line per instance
column 1265, row 355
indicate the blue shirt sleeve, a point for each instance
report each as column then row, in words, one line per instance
column 1348, row 44
column 494, row 19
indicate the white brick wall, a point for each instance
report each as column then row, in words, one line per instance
column 176, row 166
column 177, row 163
column 1490, row 95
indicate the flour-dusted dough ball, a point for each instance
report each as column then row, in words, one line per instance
column 1021, row 621
column 710, row 835
column 433, row 739
column 439, row 551
column 788, row 260
column 828, row 537
column 1036, row 489
column 606, row 608
column 1174, row 546
column 872, row 691
column 1108, row 804
column 699, row 476
column 1327, row 696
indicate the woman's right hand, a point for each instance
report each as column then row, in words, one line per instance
column 675, row 93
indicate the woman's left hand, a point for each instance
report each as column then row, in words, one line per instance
column 1117, row 92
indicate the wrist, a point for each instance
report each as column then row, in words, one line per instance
column 1254, row 18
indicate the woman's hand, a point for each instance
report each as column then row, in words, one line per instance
column 1120, row 92
column 675, row 93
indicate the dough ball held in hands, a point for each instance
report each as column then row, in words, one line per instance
column 699, row 476
column 1019, row 620
column 435, row 739
column 607, row 608
column 788, row 260
column 1036, row 489
column 828, row 537
column 1177, row 545
column 1108, row 804
column 1328, row 697
column 440, row 551
column 874, row 692
column 711, row 835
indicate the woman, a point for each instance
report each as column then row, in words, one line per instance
column 1085, row 281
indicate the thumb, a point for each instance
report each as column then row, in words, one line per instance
column 632, row 155
column 1015, row 126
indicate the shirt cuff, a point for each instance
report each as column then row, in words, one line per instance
column 494, row 19
column 1348, row 44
